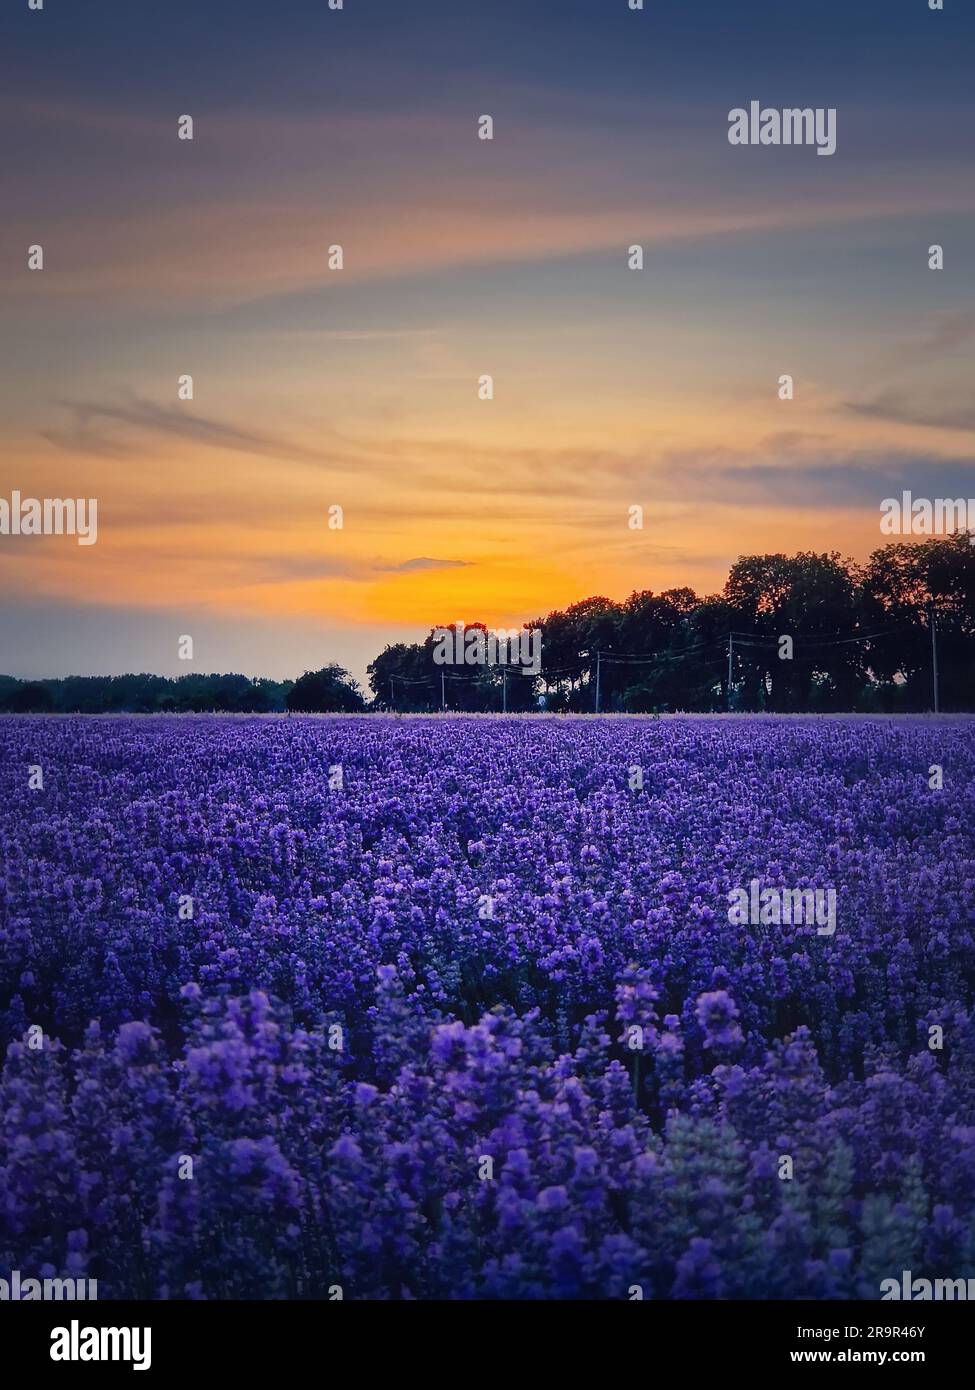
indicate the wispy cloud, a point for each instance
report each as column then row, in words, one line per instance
column 825, row 481
column 193, row 229
column 901, row 410
column 147, row 417
column 947, row 332
column 423, row 562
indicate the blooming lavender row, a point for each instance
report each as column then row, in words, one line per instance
column 456, row 1008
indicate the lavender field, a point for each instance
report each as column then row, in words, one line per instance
column 457, row 1008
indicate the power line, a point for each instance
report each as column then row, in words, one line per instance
column 621, row 657
column 811, row 640
column 745, row 642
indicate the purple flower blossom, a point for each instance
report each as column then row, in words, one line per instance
column 717, row 1014
column 336, row 1070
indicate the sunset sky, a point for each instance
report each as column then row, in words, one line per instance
column 463, row 257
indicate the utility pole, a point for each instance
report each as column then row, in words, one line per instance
column 934, row 655
column 392, row 697
column 598, row 662
column 443, row 692
column 504, row 687
column 731, row 645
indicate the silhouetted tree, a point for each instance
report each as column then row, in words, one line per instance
column 900, row 583
column 330, row 690
column 811, row 599
column 31, row 698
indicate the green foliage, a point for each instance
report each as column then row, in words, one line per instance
column 144, row 694
column 330, row 690
column 668, row 652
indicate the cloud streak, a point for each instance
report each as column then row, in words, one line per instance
column 424, row 562
column 891, row 406
column 174, row 421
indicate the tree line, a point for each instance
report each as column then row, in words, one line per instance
column 860, row 639
column 788, row 633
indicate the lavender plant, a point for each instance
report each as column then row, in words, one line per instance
column 476, row 1023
